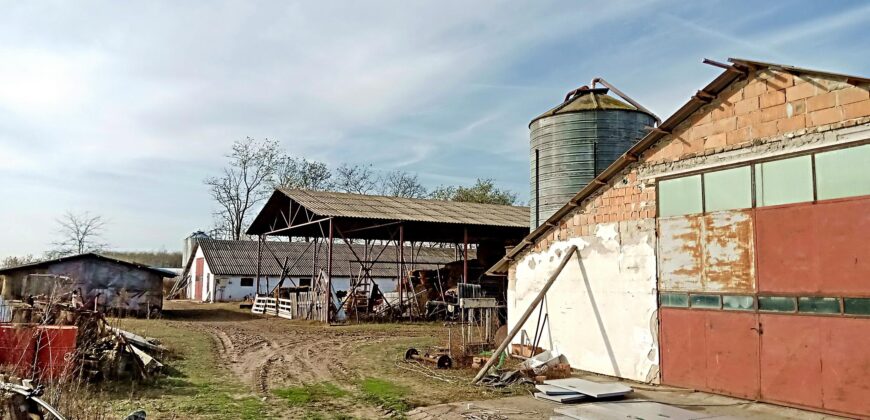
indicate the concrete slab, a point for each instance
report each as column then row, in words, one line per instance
column 715, row 407
column 630, row 409
column 562, row 399
column 592, row 389
column 554, row 390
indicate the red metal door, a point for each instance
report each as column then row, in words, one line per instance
column 710, row 350
column 684, row 348
column 791, row 365
column 197, row 284
column 732, row 353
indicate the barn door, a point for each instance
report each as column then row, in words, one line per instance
column 197, row 284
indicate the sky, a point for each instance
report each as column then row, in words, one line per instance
column 121, row 109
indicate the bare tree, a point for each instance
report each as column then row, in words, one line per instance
column 247, row 180
column 79, row 233
column 304, row 174
column 15, row 261
column 357, row 179
column 399, row 183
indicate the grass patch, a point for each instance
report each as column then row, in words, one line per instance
column 385, row 394
column 297, row 396
column 196, row 386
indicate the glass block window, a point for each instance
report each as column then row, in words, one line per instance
column 738, row 303
column 706, row 301
column 680, row 196
column 843, row 173
column 819, row 305
column 728, row 189
column 784, row 181
column 776, row 304
column 856, row 306
column 679, row 300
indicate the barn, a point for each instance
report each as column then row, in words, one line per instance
column 104, row 283
column 725, row 251
column 226, row 270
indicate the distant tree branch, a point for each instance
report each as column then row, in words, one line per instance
column 79, row 233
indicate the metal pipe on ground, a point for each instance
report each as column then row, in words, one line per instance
column 568, row 254
column 442, row 361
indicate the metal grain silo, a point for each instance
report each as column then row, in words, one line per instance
column 573, row 142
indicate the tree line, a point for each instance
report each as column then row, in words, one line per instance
column 256, row 167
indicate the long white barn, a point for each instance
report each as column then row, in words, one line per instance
column 221, row 270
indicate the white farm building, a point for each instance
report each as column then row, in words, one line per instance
column 223, row 270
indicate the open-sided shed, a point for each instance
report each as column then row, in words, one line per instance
column 379, row 221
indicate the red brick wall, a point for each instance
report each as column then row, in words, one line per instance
column 767, row 104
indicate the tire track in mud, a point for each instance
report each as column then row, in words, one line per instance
column 271, row 353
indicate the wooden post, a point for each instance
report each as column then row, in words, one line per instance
column 495, row 355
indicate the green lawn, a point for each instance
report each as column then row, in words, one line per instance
column 195, row 387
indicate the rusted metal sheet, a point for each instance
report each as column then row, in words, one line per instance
column 791, row 363
column 846, row 365
column 814, row 248
column 684, row 351
column 708, row 253
column 732, row 353
column 729, row 251
column 680, row 253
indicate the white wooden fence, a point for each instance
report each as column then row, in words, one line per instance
column 299, row 306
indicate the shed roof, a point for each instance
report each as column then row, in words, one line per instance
column 326, row 203
column 720, row 83
column 432, row 220
column 158, row 271
column 239, row 258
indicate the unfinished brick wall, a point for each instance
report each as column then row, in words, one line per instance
column 767, row 104
column 623, row 198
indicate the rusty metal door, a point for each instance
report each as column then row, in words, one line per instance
column 197, row 284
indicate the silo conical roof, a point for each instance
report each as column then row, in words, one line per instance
column 586, row 99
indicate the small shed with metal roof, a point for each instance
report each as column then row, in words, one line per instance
column 104, row 283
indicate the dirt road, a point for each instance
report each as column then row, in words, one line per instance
column 271, row 354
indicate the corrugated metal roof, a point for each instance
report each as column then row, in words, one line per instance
column 90, row 255
column 239, row 258
column 337, row 204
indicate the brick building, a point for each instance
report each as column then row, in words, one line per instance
column 725, row 251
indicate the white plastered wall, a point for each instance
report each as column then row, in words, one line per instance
column 602, row 307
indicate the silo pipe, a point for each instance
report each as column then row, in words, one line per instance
column 599, row 80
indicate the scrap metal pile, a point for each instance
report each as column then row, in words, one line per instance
column 61, row 342
column 53, row 343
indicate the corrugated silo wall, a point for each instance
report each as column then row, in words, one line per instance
column 568, row 150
